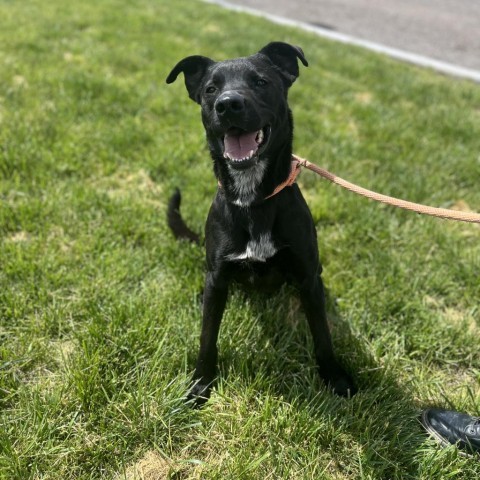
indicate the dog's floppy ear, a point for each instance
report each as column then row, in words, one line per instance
column 284, row 56
column 194, row 69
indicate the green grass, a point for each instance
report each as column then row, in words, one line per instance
column 99, row 316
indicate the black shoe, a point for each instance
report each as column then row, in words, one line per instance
column 453, row 428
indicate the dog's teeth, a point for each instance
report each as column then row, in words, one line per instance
column 260, row 136
column 250, row 155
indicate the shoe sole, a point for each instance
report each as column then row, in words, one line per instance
column 440, row 439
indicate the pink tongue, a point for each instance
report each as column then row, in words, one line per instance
column 240, row 146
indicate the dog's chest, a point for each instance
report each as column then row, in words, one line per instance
column 256, row 249
column 255, row 241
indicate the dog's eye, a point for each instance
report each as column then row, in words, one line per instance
column 211, row 89
column 260, row 82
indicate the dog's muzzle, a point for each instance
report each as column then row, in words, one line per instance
column 241, row 146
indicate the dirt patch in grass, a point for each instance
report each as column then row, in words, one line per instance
column 462, row 318
column 152, row 466
column 365, row 98
column 18, row 237
column 125, row 184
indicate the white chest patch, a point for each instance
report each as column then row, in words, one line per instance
column 257, row 250
column 245, row 183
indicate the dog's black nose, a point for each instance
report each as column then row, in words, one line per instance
column 230, row 103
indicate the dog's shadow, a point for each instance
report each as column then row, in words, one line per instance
column 380, row 423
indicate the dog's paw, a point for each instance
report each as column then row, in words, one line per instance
column 199, row 394
column 343, row 386
column 339, row 382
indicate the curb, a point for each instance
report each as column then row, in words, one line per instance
column 409, row 57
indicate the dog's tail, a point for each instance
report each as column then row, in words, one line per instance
column 175, row 220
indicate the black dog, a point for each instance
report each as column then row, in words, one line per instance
column 252, row 236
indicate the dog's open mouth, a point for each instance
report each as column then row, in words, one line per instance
column 241, row 147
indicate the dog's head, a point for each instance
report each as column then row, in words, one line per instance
column 244, row 101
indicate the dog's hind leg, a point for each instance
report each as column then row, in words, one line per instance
column 214, row 300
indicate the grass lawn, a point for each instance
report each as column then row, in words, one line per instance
column 99, row 314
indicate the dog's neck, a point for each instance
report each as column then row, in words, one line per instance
column 245, row 184
column 245, row 188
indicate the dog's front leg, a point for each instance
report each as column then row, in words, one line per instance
column 313, row 300
column 214, row 300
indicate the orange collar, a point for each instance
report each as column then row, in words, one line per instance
column 294, row 171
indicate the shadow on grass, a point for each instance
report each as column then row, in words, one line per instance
column 380, row 424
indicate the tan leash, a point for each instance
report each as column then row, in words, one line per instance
column 395, row 202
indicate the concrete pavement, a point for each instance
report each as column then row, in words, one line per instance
column 443, row 30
